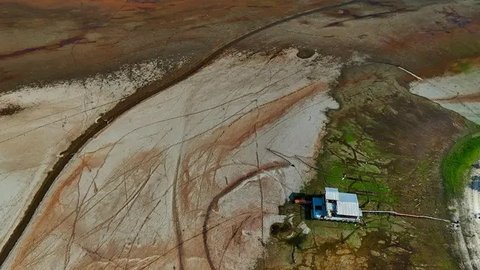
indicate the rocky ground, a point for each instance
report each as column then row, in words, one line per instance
column 165, row 135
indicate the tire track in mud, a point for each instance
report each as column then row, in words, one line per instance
column 214, row 202
column 123, row 106
column 176, row 217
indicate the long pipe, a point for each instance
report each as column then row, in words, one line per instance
column 393, row 213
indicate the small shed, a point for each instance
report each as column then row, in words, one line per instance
column 336, row 206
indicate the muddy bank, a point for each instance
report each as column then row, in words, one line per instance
column 389, row 144
column 59, row 40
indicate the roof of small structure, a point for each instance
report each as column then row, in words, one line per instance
column 331, row 194
column 347, row 205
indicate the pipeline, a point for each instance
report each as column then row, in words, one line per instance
column 393, row 213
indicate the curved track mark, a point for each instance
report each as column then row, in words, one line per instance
column 214, row 202
column 176, row 218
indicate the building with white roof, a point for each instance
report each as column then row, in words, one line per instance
column 336, row 206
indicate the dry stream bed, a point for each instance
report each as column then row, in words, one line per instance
column 183, row 163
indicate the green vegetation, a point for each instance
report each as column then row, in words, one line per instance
column 385, row 145
column 465, row 66
column 457, row 163
column 351, row 161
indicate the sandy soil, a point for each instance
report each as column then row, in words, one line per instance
column 185, row 179
column 45, row 120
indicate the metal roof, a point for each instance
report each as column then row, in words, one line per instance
column 331, row 194
column 347, row 205
column 347, row 197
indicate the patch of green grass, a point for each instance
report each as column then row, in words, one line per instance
column 457, row 163
column 465, row 66
column 334, row 170
column 349, row 134
column 363, row 173
column 350, row 161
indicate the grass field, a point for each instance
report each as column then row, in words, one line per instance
column 458, row 162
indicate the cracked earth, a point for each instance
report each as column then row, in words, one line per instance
column 151, row 135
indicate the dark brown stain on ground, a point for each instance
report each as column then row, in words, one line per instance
column 415, row 122
column 10, row 109
column 52, row 46
column 305, row 53
column 164, row 33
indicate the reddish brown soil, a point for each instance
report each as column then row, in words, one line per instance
column 91, row 37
